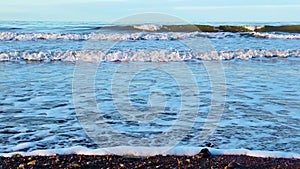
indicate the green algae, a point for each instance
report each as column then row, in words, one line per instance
column 189, row 28
column 227, row 28
column 283, row 28
column 207, row 28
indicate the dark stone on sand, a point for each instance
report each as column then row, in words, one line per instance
column 233, row 165
column 17, row 156
column 204, row 153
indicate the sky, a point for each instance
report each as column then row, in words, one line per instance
column 190, row 10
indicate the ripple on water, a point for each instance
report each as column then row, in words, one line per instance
column 261, row 112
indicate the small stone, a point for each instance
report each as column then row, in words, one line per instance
column 121, row 165
column 197, row 156
column 33, row 162
column 179, row 162
column 204, row 153
column 21, row 166
column 16, row 156
column 232, row 165
column 75, row 165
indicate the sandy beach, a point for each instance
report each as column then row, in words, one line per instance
column 170, row 161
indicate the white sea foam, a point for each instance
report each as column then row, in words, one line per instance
column 149, row 27
column 10, row 36
column 253, row 28
column 152, row 151
column 23, row 146
column 276, row 36
column 143, row 55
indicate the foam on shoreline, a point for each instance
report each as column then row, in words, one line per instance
column 152, row 151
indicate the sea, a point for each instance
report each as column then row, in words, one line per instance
column 147, row 89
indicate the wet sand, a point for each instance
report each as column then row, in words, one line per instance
column 201, row 160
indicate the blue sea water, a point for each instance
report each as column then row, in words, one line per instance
column 67, row 84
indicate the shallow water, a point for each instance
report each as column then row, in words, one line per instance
column 261, row 111
column 137, row 101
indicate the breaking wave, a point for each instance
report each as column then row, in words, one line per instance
column 142, row 55
column 10, row 36
column 275, row 36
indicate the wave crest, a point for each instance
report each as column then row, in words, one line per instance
column 149, row 27
column 143, row 55
column 10, row 36
column 275, row 36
